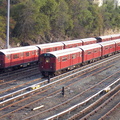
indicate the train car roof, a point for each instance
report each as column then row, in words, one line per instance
column 72, row 41
column 107, row 43
column 115, row 35
column 63, row 52
column 102, row 37
column 117, row 41
column 42, row 46
column 91, row 46
column 88, row 39
column 18, row 49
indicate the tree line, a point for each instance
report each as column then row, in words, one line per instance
column 49, row 20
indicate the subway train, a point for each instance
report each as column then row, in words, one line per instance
column 57, row 62
column 23, row 56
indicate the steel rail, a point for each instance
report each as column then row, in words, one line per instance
column 77, row 105
column 108, row 113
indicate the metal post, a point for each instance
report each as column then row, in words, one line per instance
column 63, row 91
column 8, row 24
column 48, row 78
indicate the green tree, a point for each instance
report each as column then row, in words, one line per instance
column 29, row 21
column 2, row 27
column 63, row 22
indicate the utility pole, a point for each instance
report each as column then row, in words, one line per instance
column 8, row 24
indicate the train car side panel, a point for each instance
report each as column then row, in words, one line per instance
column 75, row 58
column 117, row 45
column 104, row 38
column 87, row 55
column 97, row 52
column 91, row 51
column 108, row 48
column 72, row 43
column 16, row 59
column 87, row 41
column 7, row 60
column 49, row 47
column 65, row 61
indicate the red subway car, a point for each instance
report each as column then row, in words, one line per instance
column 108, row 48
column 15, row 57
column 87, row 41
column 117, row 45
column 104, row 38
column 115, row 36
column 72, row 43
column 91, row 52
column 55, row 62
column 63, row 60
column 48, row 47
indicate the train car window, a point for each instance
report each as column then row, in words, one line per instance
column 47, row 60
column 55, row 49
column 47, row 50
column 74, row 56
column 118, row 44
column 60, row 48
column 33, row 52
column 95, row 51
column 106, row 48
column 89, row 52
column 27, row 54
column 64, row 59
column 15, row 56
column 8, row 56
column 46, row 55
column 76, row 45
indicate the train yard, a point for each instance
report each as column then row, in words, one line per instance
column 89, row 92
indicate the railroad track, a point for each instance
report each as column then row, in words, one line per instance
column 16, row 78
column 112, row 110
column 45, row 88
column 23, row 90
column 13, row 74
column 86, row 96
column 90, row 111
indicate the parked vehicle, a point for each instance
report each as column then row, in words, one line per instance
column 23, row 56
column 57, row 62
